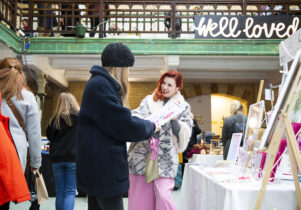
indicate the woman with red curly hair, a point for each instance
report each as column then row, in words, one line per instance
column 172, row 139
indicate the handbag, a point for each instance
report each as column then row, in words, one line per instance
column 151, row 164
column 41, row 187
column 151, row 169
column 31, row 181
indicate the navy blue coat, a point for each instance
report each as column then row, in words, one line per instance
column 104, row 128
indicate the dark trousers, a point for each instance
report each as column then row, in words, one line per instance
column 226, row 149
column 92, row 203
column 115, row 203
column 4, row 206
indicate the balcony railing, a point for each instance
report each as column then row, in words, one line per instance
column 170, row 17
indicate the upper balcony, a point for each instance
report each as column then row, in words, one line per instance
column 144, row 19
column 151, row 29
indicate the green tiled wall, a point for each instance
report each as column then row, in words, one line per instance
column 10, row 39
column 72, row 45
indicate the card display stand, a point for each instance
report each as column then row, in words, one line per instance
column 277, row 128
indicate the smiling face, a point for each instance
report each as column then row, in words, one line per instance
column 168, row 87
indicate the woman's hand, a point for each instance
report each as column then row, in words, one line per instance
column 34, row 170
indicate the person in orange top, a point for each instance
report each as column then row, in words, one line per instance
column 13, row 185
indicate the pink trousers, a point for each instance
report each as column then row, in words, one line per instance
column 156, row 195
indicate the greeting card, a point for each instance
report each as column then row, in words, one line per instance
column 166, row 113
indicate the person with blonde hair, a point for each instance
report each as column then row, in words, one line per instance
column 19, row 104
column 62, row 134
column 237, row 117
column 105, row 125
column 236, row 107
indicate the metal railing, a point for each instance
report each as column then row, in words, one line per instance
column 171, row 17
column 10, row 13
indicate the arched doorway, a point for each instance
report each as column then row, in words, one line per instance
column 220, row 106
column 211, row 110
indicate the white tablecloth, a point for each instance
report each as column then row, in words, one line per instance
column 206, row 159
column 201, row 192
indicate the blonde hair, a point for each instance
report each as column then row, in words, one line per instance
column 235, row 107
column 66, row 106
column 121, row 75
column 12, row 78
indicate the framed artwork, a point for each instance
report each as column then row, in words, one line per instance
column 253, row 128
column 285, row 101
column 234, row 147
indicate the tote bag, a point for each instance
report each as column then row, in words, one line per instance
column 151, row 169
column 41, row 188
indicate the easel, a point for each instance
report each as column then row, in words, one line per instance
column 284, row 125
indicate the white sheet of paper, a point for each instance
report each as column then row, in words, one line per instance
column 166, row 113
column 269, row 95
column 234, row 147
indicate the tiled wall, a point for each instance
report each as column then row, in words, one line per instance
column 138, row 90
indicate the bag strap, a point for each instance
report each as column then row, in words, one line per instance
column 18, row 116
column 16, row 113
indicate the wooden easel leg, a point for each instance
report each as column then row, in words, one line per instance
column 260, row 90
column 265, row 181
column 295, row 174
column 250, row 153
column 292, row 140
column 272, row 151
column 294, row 156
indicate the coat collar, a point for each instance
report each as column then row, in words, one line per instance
column 99, row 70
column 155, row 105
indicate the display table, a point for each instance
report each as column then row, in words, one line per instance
column 205, row 159
column 200, row 191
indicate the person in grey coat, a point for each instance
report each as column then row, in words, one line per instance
column 13, row 86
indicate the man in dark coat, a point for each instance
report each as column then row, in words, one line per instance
column 105, row 126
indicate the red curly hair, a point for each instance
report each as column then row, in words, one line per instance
column 173, row 74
